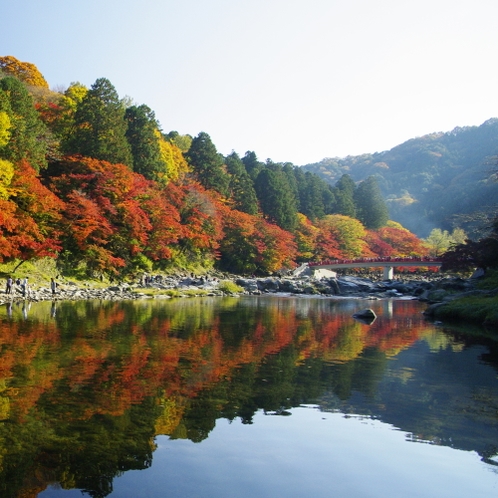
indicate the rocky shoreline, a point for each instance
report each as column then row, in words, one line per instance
column 303, row 281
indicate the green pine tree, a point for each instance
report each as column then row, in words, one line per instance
column 371, row 209
column 276, row 197
column 143, row 139
column 28, row 135
column 207, row 164
column 344, row 196
column 100, row 126
column 241, row 186
column 252, row 165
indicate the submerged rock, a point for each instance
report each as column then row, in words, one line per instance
column 366, row 313
column 367, row 316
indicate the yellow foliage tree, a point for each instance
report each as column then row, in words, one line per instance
column 57, row 110
column 74, row 95
column 175, row 165
column 5, row 126
column 6, row 175
column 348, row 232
column 25, row 71
column 395, row 224
column 305, row 234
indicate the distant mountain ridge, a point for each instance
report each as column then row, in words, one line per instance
column 431, row 180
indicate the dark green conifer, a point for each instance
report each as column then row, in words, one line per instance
column 207, row 164
column 100, row 126
column 344, row 196
column 241, row 186
column 371, row 208
column 143, row 140
column 276, row 197
column 28, row 134
column 252, row 165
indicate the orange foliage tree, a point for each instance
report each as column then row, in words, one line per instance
column 306, row 235
column 377, row 246
column 403, row 242
column 111, row 213
column 25, row 71
column 29, row 218
column 340, row 237
column 252, row 244
column 202, row 224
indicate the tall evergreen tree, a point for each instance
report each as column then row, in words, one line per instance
column 207, row 164
column 344, row 196
column 288, row 170
column 328, row 197
column 316, row 198
column 313, row 197
column 276, row 198
column 183, row 142
column 300, row 180
column 371, row 208
column 28, row 136
column 100, row 126
column 241, row 186
column 144, row 142
column 252, row 165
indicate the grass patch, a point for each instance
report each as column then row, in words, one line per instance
column 172, row 292
column 229, row 287
column 478, row 309
column 489, row 281
column 38, row 271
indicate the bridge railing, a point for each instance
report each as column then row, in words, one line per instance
column 387, row 259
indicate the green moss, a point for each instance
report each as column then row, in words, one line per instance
column 490, row 281
column 479, row 309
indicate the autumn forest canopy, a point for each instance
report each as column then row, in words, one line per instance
column 91, row 179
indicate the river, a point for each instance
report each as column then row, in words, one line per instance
column 241, row 397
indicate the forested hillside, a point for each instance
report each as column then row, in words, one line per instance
column 429, row 181
column 92, row 180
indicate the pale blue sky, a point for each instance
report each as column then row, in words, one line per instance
column 291, row 80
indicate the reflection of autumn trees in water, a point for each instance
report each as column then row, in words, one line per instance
column 83, row 394
column 109, row 357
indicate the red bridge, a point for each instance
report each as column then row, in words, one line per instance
column 388, row 263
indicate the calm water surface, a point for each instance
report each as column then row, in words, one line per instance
column 269, row 396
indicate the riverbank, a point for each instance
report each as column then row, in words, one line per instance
column 475, row 301
column 449, row 298
column 303, row 281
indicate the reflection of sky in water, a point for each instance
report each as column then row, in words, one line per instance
column 310, row 453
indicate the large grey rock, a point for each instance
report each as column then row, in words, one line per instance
column 362, row 284
column 400, row 287
column 250, row 285
column 290, row 286
column 268, row 285
column 454, row 284
column 309, row 289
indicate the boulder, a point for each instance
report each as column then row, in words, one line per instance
column 366, row 313
column 454, row 284
column 401, row 287
column 268, row 285
column 309, row 289
column 291, row 286
column 362, row 284
column 366, row 316
column 249, row 284
column 347, row 287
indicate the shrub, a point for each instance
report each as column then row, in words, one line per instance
column 229, row 287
